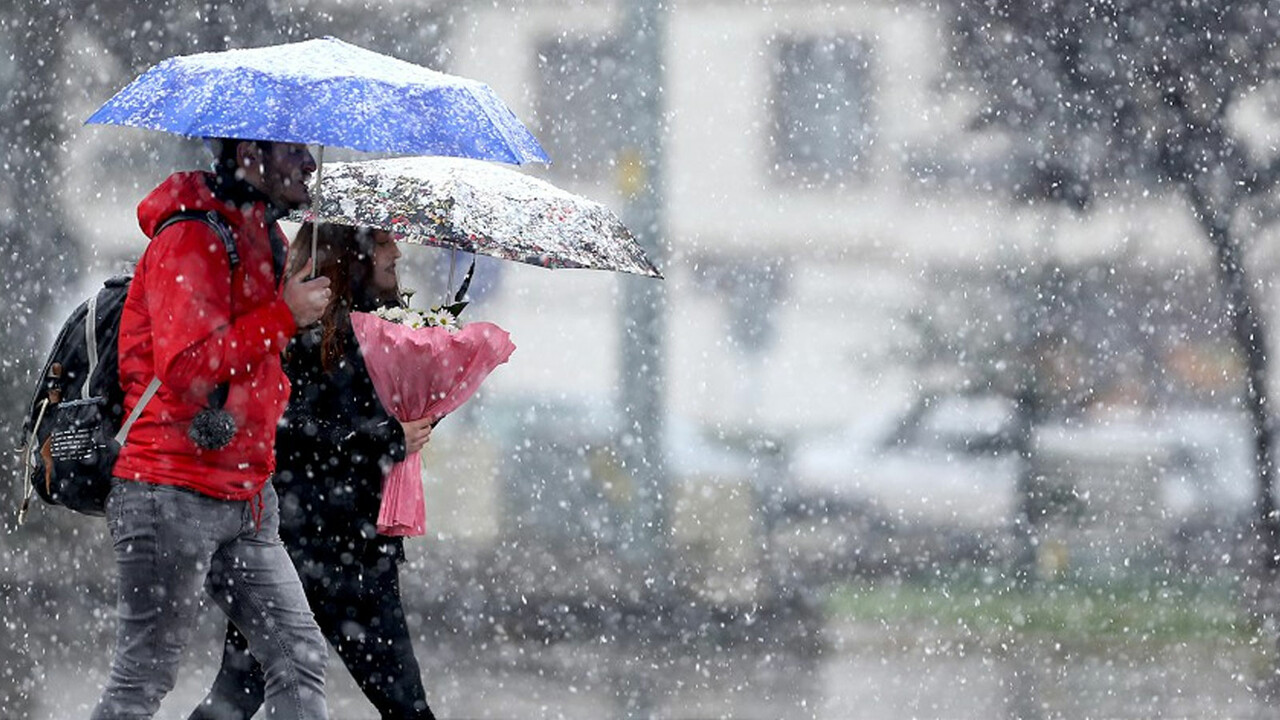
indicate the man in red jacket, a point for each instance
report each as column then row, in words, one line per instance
column 187, row 518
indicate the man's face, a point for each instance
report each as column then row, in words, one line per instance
column 286, row 174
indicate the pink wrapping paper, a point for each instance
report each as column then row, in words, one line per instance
column 417, row 373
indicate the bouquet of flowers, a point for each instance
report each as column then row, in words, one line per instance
column 423, row 364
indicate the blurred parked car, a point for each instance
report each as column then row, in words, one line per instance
column 1116, row 488
column 939, row 462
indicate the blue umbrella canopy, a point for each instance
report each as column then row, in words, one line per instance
column 324, row 92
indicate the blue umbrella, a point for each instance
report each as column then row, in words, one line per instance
column 324, row 92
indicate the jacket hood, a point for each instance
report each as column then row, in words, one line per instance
column 196, row 190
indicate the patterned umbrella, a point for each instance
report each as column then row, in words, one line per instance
column 479, row 207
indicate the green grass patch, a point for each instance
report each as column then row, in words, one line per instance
column 1069, row 613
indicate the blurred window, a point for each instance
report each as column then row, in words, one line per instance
column 751, row 292
column 579, row 104
column 822, row 93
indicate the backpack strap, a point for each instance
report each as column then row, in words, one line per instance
column 215, row 221
column 91, row 341
column 28, row 487
column 91, row 345
column 147, row 394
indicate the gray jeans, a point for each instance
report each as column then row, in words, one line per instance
column 170, row 545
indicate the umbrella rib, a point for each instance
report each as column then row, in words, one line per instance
column 501, row 125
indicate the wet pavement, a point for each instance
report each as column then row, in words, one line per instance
column 864, row 671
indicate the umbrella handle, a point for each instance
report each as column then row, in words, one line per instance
column 315, row 203
column 453, row 259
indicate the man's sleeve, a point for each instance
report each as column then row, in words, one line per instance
column 188, row 291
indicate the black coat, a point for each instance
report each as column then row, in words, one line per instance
column 333, row 446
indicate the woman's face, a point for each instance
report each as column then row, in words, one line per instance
column 385, row 254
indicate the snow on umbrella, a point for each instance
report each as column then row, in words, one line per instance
column 324, row 92
column 479, row 207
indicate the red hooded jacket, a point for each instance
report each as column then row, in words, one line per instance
column 194, row 323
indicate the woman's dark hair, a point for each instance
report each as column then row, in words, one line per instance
column 344, row 254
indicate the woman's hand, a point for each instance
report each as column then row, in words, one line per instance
column 416, row 434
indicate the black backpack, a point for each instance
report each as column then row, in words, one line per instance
column 75, row 424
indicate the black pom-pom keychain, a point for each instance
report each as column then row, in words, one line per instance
column 213, row 428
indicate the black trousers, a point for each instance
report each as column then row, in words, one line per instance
column 357, row 606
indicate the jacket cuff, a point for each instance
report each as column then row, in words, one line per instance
column 277, row 324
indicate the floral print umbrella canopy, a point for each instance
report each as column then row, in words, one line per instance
column 478, row 207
